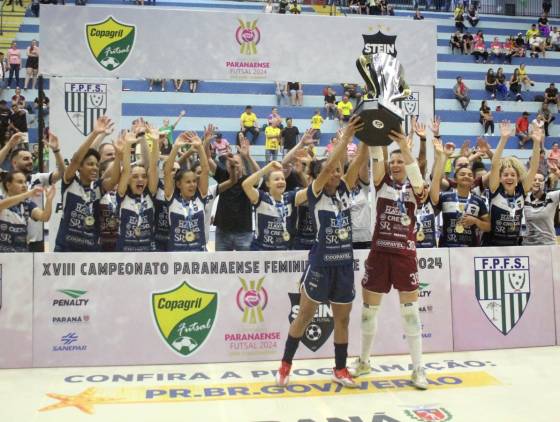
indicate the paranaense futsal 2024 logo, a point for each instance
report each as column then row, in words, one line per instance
column 110, row 42
column 185, row 316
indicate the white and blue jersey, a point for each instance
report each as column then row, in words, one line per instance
column 186, row 223
column 305, row 231
column 272, row 219
column 80, row 204
column 426, row 223
column 13, row 226
column 506, row 213
column 211, row 197
column 136, row 222
column 109, row 222
column 162, row 219
column 453, row 207
column 331, row 217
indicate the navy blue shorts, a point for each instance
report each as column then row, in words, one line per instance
column 329, row 284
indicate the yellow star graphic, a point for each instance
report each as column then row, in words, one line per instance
column 83, row 401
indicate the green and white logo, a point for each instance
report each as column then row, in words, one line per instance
column 185, row 316
column 110, row 42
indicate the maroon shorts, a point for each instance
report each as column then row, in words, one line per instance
column 384, row 270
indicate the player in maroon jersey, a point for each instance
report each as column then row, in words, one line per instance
column 392, row 259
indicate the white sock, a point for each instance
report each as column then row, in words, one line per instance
column 413, row 330
column 369, row 329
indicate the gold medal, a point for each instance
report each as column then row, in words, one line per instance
column 90, row 221
column 342, row 234
column 459, row 228
column 112, row 222
column 286, row 236
column 420, row 236
column 137, row 231
column 189, row 236
column 461, row 207
column 405, row 220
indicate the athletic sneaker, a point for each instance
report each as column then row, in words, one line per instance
column 343, row 377
column 283, row 374
column 419, row 379
column 360, row 367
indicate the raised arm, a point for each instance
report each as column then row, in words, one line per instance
column 10, row 145
column 538, row 138
column 179, row 117
column 250, row 182
column 113, row 173
column 168, row 182
column 494, row 178
column 207, row 139
column 196, row 143
column 102, row 125
column 10, row 201
column 54, row 145
column 351, row 176
column 439, row 166
column 130, row 140
column 44, row 214
column 411, row 166
column 152, row 170
column 306, row 139
column 245, row 152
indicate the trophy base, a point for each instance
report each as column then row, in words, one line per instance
column 379, row 119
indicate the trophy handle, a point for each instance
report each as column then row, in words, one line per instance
column 369, row 76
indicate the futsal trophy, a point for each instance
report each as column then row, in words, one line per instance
column 385, row 84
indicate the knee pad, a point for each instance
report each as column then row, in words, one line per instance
column 369, row 318
column 411, row 319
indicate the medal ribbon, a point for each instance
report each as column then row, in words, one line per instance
column 400, row 198
column 141, row 208
column 282, row 211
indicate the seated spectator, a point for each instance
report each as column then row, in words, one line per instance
column 178, row 83
column 508, row 49
column 352, row 91
column 555, row 39
column 156, row 81
column 524, row 77
column 249, row 124
column 330, row 103
column 458, row 16
column 496, row 49
column 544, row 28
column 519, row 48
column 417, row 15
column 355, row 7
column 554, row 156
column 479, row 50
column 548, row 118
column 472, row 16
column 281, row 92
column 221, row 147
column 515, row 85
column 501, row 87
column 522, row 129
column 490, row 83
column 295, row 8
column 551, row 94
column 461, row 92
column 18, row 122
column 530, row 32
column 296, row 93
column 536, row 44
column 486, row 119
column 268, row 7
column 345, row 108
column 468, row 42
column 193, row 85
column 283, row 6
column 537, row 124
column 456, row 42
column 17, row 98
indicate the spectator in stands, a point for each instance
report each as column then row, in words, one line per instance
column 221, row 147
column 296, row 93
column 31, row 65
column 352, row 91
column 536, row 44
column 268, row 7
column 508, row 49
column 272, row 145
column 14, row 60
column 157, row 81
column 491, row 83
column 519, row 47
column 468, row 41
column 249, row 124
column 456, row 42
column 459, row 18
column 18, row 122
column 530, row 32
column 522, row 129
column 472, row 16
column 544, row 28
column 551, row 94
column 524, row 77
column 546, row 6
column 479, row 49
column 330, row 103
column 178, row 83
column 555, row 39
column 283, row 6
column 496, row 49
column 486, row 119
column 461, row 92
column 417, row 15
column 281, row 92
column 345, row 108
column 537, row 124
column 316, row 123
column 17, row 98
column 275, row 115
column 501, row 87
column 515, row 85
column 554, row 156
column 295, row 8
column 193, row 86
column 167, row 129
column 5, row 114
column 290, row 135
column 547, row 116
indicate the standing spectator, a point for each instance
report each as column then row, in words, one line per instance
column 468, row 42
column 272, row 143
column 178, row 84
column 456, row 42
column 289, row 135
column 296, row 93
column 496, row 50
column 282, row 6
column 546, row 6
column 3, row 71
column 544, row 28
column 274, row 115
column 268, row 7
column 330, row 103
column 281, row 92
column 479, row 49
column 167, row 129
column 31, row 65
column 472, row 16
column 249, row 124
column 316, row 123
column 157, row 81
column 515, row 85
column 461, row 92
column 522, row 129
column 524, row 77
column 222, row 148
column 547, row 116
column 490, row 83
column 345, row 108
column 14, row 60
column 458, row 16
column 551, row 94
column 486, row 119
column 5, row 114
column 18, row 122
column 501, row 86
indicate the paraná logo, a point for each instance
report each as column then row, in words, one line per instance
column 110, row 42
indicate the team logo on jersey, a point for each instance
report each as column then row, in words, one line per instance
column 248, row 36
column 110, row 42
column 502, row 288
column 252, row 299
column 380, row 43
column 84, row 104
column 185, row 316
column 436, row 414
column 319, row 329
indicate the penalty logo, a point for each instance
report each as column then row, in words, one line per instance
column 110, row 42
column 502, row 288
column 185, row 316
column 319, row 329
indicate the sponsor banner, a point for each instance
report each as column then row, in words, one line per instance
column 16, row 291
column 502, row 297
column 112, row 42
column 76, row 103
column 556, row 271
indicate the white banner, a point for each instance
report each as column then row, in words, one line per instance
column 223, row 45
column 76, row 103
column 16, row 310
column 556, row 272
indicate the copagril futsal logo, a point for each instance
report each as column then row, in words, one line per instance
column 110, row 42
column 248, row 36
column 185, row 317
column 252, row 299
